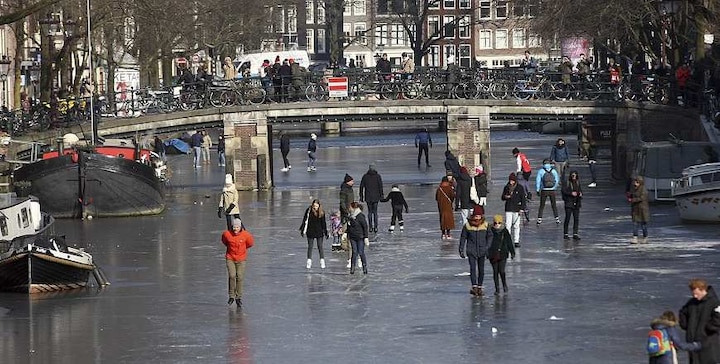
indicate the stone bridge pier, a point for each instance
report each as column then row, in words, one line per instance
column 248, row 141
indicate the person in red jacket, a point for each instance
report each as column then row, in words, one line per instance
column 237, row 241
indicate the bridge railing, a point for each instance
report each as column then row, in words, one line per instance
column 509, row 83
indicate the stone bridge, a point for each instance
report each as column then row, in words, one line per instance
column 620, row 127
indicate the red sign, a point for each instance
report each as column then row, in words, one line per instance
column 338, row 86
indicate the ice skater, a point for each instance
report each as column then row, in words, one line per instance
column 398, row 203
column 311, row 149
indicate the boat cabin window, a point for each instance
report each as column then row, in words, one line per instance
column 706, row 178
column 25, row 217
column 3, row 226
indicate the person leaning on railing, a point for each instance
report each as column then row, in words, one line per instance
column 408, row 66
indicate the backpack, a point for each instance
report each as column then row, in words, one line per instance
column 658, row 343
column 525, row 163
column 548, row 179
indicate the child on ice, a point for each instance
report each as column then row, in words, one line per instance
column 336, row 226
column 397, row 201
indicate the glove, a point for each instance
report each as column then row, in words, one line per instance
column 309, row 152
column 327, row 236
column 230, row 208
column 462, row 255
column 367, row 241
column 219, row 212
column 538, row 193
column 406, row 211
column 512, row 257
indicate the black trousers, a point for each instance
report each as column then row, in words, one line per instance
column 575, row 213
column 285, row 158
column 319, row 246
column 423, row 147
column 372, row 214
column 499, row 272
column 397, row 212
column 544, row 195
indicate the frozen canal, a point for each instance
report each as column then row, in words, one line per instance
column 586, row 302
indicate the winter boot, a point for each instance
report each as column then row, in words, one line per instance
column 322, row 263
column 539, row 220
column 392, row 228
column 309, row 264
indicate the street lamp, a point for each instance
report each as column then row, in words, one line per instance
column 34, row 78
column 4, row 67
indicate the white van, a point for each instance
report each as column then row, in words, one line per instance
column 255, row 60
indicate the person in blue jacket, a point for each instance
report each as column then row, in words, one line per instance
column 546, row 183
column 422, row 142
column 668, row 322
column 560, row 156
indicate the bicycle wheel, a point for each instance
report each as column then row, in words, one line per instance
column 216, row 98
column 499, row 90
column 254, row 95
column 412, row 91
column 522, row 91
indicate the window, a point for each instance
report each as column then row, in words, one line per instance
column 485, row 9
column 359, row 7
column 434, row 56
column 449, row 50
column 485, row 37
column 347, row 8
column 397, row 35
column 433, row 4
column 3, row 226
column 309, row 12
column 321, row 13
column 534, row 41
column 292, row 19
column 449, row 4
column 310, row 39
column 433, row 26
column 519, row 9
column 24, row 217
column 464, row 4
column 279, row 23
column 449, row 26
column 532, row 9
column 518, row 40
column 501, row 39
column 464, row 53
column 464, row 27
column 360, row 34
column 383, row 6
column 381, row 34
column 501, row 9
column 321, row 41
column 347, row 28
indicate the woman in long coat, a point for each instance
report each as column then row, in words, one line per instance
column 640, row 207
column 445, row 196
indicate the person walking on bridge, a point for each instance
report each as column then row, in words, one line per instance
column 423, row 140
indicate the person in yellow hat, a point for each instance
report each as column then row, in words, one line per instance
column 500, row 248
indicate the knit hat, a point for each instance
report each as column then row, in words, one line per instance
column 371, row 166
column 448, row 173
column 348, row 178
column 498, row 219
column 479, row 169
column 313, row 136
column 512, row 177
column 228, row 179
column 515, row 151
column 237, row 222
column 478, row 210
